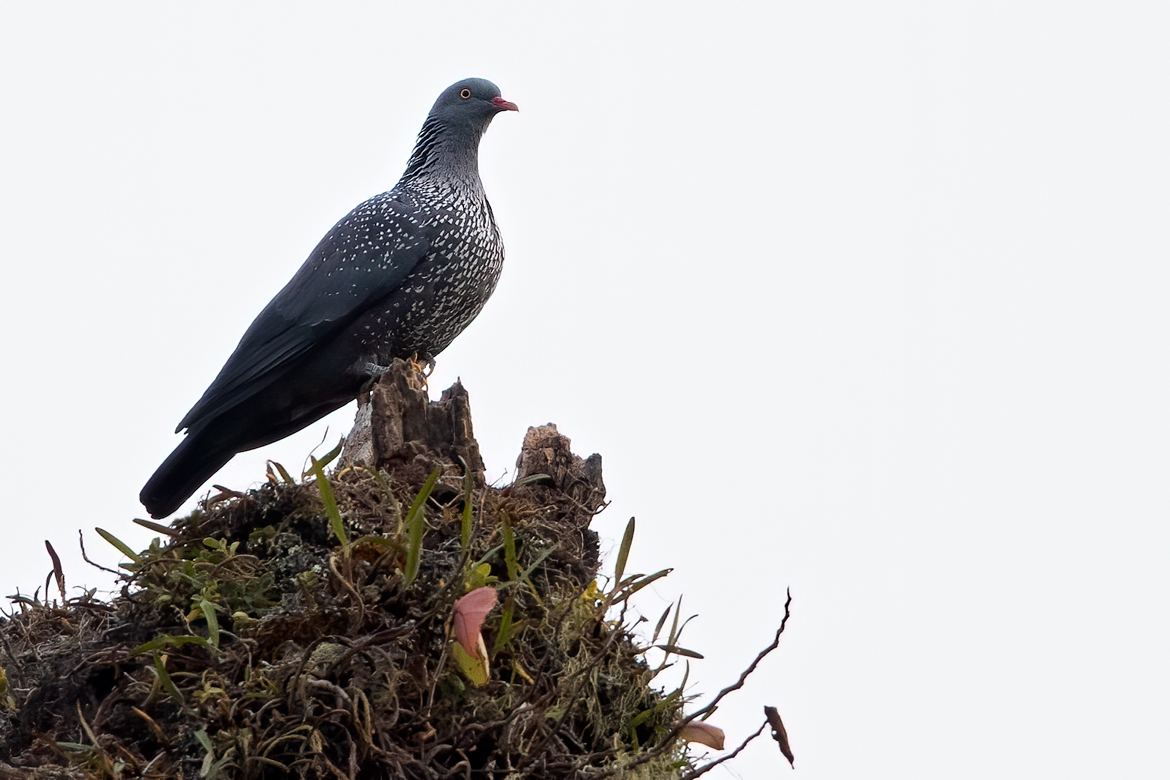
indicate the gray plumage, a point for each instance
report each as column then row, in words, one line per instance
column 400, row 276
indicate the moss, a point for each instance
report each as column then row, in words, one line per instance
column 303, row 629
column 320, row 660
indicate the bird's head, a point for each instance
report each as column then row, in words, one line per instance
column 470, row 104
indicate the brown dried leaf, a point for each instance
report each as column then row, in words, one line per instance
column 779, row 733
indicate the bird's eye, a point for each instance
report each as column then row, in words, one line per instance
column 465, row 93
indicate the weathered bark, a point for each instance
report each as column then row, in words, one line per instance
column 398, row 428
column 546, row 451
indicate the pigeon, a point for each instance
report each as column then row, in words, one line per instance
column 400, row 276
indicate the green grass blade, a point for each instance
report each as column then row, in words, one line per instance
column 204, row 740
column 332, row 454
column 415, row 524
column 466, row 536
column 504, row 635
column 530, row 479
column 208, row 610
column 328, row 499
column 288, row 480
column 636, row 586
column 378, row 541
column 675, row 631
column 165, row 678
column 509, row 547
column 661, row 623
column 158, row 643
column 122, row 547
column 624, row 551
column 158, row 528
column 675, row 649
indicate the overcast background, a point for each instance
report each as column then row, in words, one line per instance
column 865, row 300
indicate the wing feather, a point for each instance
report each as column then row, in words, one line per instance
column 360, row 261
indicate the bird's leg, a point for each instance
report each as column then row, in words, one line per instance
column 373, row 370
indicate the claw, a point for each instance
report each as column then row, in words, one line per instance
column 424, row 366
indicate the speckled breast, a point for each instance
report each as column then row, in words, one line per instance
column 447, row 289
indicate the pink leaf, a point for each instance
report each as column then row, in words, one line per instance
column 703, row 733
column 469, row 614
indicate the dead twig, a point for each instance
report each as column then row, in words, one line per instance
column 668, row 742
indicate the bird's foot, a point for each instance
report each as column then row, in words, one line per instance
column 424, row 365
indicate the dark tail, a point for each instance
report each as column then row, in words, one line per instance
column 192, row 463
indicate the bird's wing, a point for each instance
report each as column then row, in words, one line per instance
column 361, row 260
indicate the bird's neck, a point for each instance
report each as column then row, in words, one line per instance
column 443, row 153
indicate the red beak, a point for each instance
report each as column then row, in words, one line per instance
column 504, row 105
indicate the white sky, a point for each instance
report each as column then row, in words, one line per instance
column 868, row 300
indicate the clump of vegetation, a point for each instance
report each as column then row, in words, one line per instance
column 359, row 624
